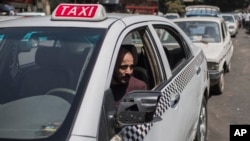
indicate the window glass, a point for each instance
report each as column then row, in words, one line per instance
column 226, row 29
column 199, row 31
column 228, row 18
column 172, row 46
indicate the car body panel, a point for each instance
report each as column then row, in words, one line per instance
column 28, row 14
column 212, row 51
column 88, row 117
column 4, row 18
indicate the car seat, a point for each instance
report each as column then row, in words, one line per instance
column 50, row 73
column 211, row 32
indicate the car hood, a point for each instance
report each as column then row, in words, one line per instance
column 231, row 24
column 212, row 51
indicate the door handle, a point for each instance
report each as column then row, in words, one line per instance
column 198, row 70
column 174, row 100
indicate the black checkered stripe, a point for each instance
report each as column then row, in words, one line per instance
column 138, row 132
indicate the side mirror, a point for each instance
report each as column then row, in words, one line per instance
column 138, row 107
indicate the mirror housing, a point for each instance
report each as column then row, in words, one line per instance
column 138, row 107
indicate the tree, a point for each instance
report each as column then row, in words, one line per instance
column 175, row 6
column 228, row 5
column 54, row 3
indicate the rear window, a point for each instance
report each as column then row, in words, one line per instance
column 202, row 12
column 199, row 31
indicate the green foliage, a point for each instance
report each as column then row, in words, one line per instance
column 228, row 5
column 54, row 3
column 175, row 6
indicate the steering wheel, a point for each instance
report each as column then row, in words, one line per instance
column 64, row 93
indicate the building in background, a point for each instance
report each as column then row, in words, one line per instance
column 29, row 5
column 131, row 6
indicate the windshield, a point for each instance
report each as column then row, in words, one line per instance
column 40, row 72
column 229, row 19
column 202, row 10
column 171, row 16
column 199, row 31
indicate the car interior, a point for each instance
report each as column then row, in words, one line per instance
column 50, row 70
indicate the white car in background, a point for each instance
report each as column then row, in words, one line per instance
column 172, row 15
column 232, row 23
column 212, row 35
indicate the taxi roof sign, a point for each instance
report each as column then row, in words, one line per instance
column 83, row 12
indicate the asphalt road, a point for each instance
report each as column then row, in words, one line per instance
column 233, row 106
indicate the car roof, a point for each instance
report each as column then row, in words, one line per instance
column 209, row 13
column 45, row 21
column 171, row 14
column 213, row 19
column 227, row 14
column 31, row 14
column 202, row 10
column 5, row 18
column 192, row 7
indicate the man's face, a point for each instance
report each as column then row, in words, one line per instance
column 124, row 67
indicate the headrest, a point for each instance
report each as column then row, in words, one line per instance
column 24, row 46
column 78, row 47
column 133, row 50
column 49, row 56
column 210, row 29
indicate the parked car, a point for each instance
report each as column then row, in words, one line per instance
column 212, row 35
column 7, row 9
column 59, row 88
column 231, row 23
column 202, row 10
column 172, row 15
column 30, row 14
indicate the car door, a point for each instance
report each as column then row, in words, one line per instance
column 182, row 89
column 227, row 43
column 178, row 87
column 137, row 35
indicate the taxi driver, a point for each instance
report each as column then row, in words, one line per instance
column 123, row 80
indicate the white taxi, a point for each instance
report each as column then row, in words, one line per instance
column 56, row 73
column 212, row 35
column 231, row 22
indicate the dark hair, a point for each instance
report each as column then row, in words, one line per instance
column 132, row 50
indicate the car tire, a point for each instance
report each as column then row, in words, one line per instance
column 201, row 133
column 229, row 67
column 219, row 87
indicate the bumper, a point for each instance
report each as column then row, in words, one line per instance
column 232, row 32
column 214, row 77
